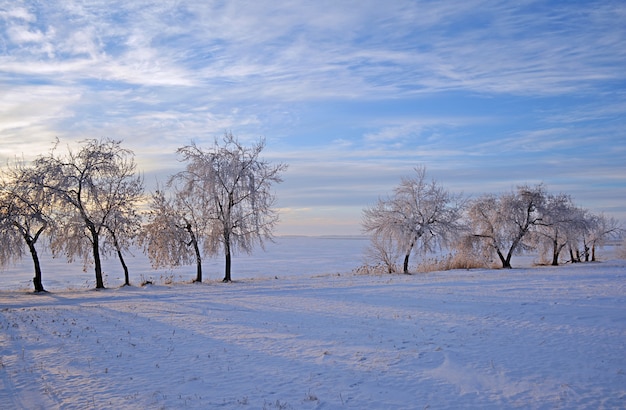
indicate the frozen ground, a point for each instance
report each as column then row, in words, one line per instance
column 525, row 338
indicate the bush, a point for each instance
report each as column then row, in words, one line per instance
column 378, row 269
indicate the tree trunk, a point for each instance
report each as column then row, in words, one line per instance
column 96, row 257
column 121, row 258
column 405, row 267
column 555, row 253
column 126, row 276
column 196, row 249
column 227, row 277
column 408, row 255
column 37, row 279
column 555, row 259
column 593, row 252
column 506, row 262
column 227, row 254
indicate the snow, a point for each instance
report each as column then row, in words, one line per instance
column 544, row 337
column 286, row 256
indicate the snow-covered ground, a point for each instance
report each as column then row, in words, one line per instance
column 549, row 337
column 286, row 256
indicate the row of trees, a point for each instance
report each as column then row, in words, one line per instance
column 421, row 216
column 86, row 203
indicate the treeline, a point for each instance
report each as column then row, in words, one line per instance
column 421, row 216
column 88, row 201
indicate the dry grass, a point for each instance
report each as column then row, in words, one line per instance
column 450, row 262
column 378, row 269
column 441, row 263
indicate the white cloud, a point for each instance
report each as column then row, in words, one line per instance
column 22, row 34
column 24, row 106
column 18, row 13
column 301, row 50
column 173, row 71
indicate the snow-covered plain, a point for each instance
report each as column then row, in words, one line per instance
column 546, row 337
column 286, row 256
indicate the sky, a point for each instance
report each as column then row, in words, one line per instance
column 352, row 95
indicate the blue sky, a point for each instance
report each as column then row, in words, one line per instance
column 351, row 94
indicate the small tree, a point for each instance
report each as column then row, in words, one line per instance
column 177, row 228
column 561, row 224
column 382, row 251
column 578, row 244
column 600, row 230
column 25, row 209
column 420, row 215
column 237, row 184
column 501, row 223
column 93, row 187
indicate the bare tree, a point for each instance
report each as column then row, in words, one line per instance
column 501, row 223
column 25, row 209
column 420, row 215
column 382, row 251
column 93, row 186
column 237, row 184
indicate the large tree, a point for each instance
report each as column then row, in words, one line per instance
column 420, row 214
column 94, row 186
column 501, row 223
column 123, row 222
column 238, row 184
column 25, row 213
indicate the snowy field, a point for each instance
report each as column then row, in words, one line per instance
column 286, row 256
column 544, row 338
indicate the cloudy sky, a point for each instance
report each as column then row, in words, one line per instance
column 351, row 94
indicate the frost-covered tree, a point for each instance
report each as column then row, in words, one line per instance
column 25, row 213
column 177, row 227
column 600, row 229
column 501, row 223
column 561, row 224
column 577, row 243
column 420, row 215
column 123, row 221
column 93, row 186
column 237, row 184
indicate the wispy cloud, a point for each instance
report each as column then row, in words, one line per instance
column 407, row 47
column 26, row 113
column 359, row 90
